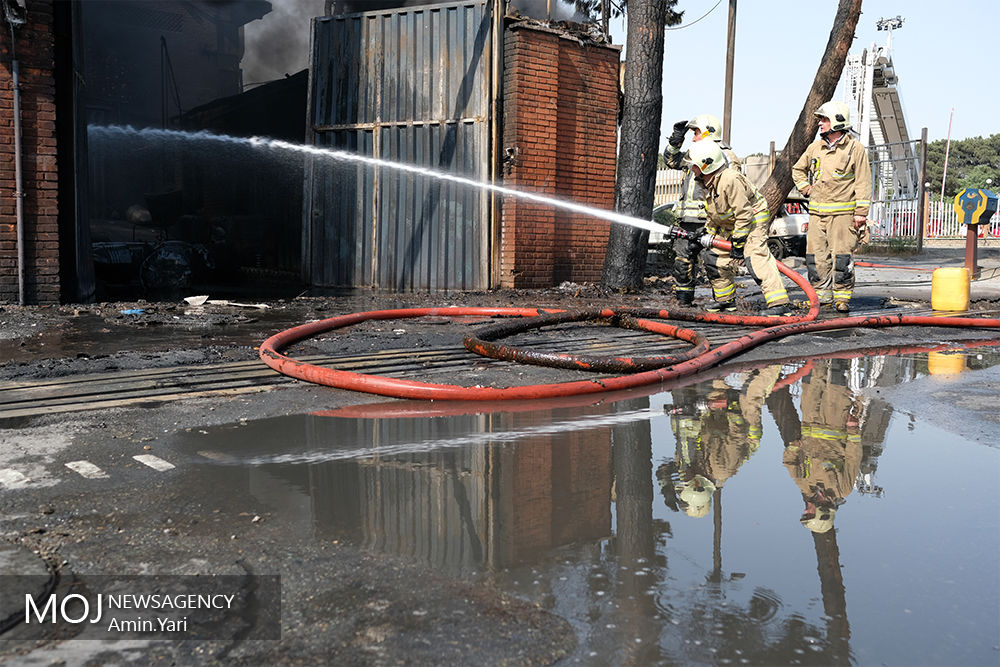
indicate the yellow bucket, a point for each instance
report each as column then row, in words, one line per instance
column 940, row 363
column 950, row 289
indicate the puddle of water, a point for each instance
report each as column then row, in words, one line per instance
column 783, row 515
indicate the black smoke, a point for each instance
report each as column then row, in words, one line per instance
column 278, row 44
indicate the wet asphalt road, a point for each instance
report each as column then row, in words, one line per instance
column 337, row 600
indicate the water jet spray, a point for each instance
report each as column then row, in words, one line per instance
column 347, row 156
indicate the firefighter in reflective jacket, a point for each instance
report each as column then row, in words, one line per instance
column 834, row 172
column 690, row 209
column 826, row 461
column 715, row 437
column 738, row 213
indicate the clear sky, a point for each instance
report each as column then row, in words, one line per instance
column 943, row 55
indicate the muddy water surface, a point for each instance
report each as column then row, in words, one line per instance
column 786, row 515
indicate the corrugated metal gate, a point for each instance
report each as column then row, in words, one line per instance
column 408, row 85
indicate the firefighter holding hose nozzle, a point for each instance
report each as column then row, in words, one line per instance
column 690, row 210
column 736, row 212
column 715, row 435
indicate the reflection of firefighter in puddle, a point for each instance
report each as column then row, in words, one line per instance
column 823, row 454
column 826, row 459
column 715, row 435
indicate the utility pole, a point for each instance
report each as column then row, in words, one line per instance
column 727, row 113
column 947, row 149
column 922, row 202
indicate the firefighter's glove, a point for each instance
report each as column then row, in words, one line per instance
column 739, row 244
column 677, row 138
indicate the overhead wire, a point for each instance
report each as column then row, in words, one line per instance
column 688, row 25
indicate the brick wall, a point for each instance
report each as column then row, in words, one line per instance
column 551, row 491
column 35, row 53
column 560, row 113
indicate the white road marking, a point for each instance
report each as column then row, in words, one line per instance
column 12, row 478
column 87, row 469
column 154, row 462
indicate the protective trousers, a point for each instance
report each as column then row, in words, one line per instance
column 829, row 454
column 719, row 268
column 764, row 268
column 755, row 392
column 685, row 269
column 830, row 244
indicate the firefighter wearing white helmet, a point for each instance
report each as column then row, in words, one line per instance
column 696, row 496
column 835, row 174
column 737, row 212
column 690, row 208
column 717, row 428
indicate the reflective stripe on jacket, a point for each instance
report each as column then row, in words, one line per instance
column 840, row 177
column 733, row 203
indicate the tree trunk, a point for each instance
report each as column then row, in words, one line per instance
column 635, row 539
column 824, row 86
column 642, row 107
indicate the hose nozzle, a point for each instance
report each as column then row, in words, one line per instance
column 675, row 232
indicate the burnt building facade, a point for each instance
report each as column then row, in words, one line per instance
column 138, row 171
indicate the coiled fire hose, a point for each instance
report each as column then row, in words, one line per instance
column 637, row 372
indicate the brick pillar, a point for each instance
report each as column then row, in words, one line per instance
column 552, row 491
column 34, row 49
column 560, row 114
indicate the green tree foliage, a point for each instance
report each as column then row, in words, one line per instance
column 970, row 163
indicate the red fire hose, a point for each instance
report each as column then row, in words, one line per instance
column 403, row 409
column 400, row 388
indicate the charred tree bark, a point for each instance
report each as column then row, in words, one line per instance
column 824, row 86
column 642, row 107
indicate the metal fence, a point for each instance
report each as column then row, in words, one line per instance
column 668, row 186
column 898, row 219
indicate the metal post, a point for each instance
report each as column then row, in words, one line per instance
column 972, row 250
column 605, row 11
column 922, row 201
column 717, row 539
column 18, row 181
column 496, row 74
column 727, row 113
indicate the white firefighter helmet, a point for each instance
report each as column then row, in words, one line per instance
column 706, row 126
column 697, row 495
column 707, row 156
column 838, row 113
column 821, row 522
